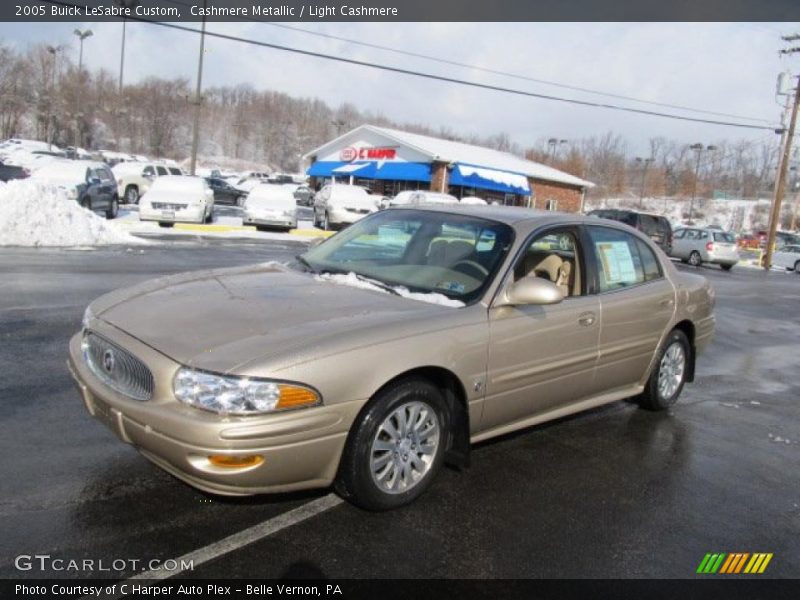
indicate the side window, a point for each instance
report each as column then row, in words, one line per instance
column 648, row 224
column 553, row 256
column 618, row 262
column 148, row 170
column 652, row 269
column 702, row 235
column 678, row 235
column 161, row 171
column 174, row 171
column 691, row 234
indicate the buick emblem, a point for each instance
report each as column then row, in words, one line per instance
column 108, row 360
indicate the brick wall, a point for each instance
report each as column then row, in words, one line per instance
column 439, row 178
column 567, row 198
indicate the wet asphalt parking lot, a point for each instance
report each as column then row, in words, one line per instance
column 614, row 492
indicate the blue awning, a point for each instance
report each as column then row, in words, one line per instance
column 390, row 171
column 489, row 179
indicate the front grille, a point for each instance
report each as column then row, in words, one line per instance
column 117, row 368
column 168, row 206
column 361, row 211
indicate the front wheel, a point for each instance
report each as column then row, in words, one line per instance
column 240, row 201
column 326, row 224
column 695, row 259
column 726, row 267
column 667, row 379
column 396, row 446
column 131, row 194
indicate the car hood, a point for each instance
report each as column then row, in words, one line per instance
column 222, row 319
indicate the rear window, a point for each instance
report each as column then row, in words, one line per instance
column 724, row 237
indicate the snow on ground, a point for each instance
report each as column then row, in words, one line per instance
column 353, row 280
column 35, row 215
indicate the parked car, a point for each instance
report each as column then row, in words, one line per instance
column 270, row 206
column 748, row 241
column 9, row 172
column 788, row 257
column 225, row 193
column 337, row 205
column 135, row 178
column 473, row 200
column 388, row 349
column 696, row 246
column 89, row 183
column 782, row 238
column 655, row 226
column 174, row 199
column 304, row 195
column 420, row 197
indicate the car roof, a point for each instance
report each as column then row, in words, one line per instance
column 510, row 215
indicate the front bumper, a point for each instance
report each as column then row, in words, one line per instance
column 301, row 449
column 342, row 216
column 269, row 220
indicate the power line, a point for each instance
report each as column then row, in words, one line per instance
column 488, row 70
column 442, row 78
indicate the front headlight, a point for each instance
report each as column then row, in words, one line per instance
column 88, row 315
column 226, row 394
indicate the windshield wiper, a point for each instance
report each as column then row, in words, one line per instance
column 377, row 283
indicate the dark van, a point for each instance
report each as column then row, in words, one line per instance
column 654, row 226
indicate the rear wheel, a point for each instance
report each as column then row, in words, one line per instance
column 166, row 224
column 131, row 194
column 209, row 217
column 396, row 446
column 326, row 225
column 695, row 259
column 113, row 209
column 667, row 379
column 240, row 201
column 726, row 267
column 797, row 267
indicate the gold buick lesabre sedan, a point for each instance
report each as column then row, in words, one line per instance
column 387, row 350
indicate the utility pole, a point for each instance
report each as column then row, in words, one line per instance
column 554, row 143
column 197, row 96
column 780, row 183
column 48, row 126
column 646, row 162
column 129, row 4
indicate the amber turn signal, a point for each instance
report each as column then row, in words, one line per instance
column 235, row 462
column 293, row 397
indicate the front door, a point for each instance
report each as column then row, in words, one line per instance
column 542, row 357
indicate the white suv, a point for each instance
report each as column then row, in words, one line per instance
column 336, row 205
column 135, row 178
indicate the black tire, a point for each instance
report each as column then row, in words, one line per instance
column 354, row 481
column 326, row 223
column 131, row 195
column 652, row 397
column 261, row 228
column 166, row 224
column 86, row 203
column 210, row 217
column 240, row 201
column 113, row 210
column 695, row 259
column 797, row 267
column 727, row 267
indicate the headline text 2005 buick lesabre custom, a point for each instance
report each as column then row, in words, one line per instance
column 386, row 350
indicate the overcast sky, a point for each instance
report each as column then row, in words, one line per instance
column 727, row 68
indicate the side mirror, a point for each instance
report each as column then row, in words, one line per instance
column 530, row 290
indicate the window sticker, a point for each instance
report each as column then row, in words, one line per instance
column 617, row 262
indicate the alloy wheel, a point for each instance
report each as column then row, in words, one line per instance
column 404, row 447
column 671, row 370
column 694, row 259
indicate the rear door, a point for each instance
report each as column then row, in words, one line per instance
column 636, row 304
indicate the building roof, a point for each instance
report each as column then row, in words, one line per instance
column 468, row 154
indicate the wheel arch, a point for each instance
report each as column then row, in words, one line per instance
column 458, row 448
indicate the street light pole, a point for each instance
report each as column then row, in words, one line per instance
column 699, row 149
column 48, row 126
column 198, row 97
column 82, row 35
column 129, row 4
column 646, row 162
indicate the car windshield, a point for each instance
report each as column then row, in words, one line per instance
column 423, row 251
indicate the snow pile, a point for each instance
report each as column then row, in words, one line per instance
column 35, row 215
column 353, row 280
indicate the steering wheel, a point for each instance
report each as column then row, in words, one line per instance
column 470, row 264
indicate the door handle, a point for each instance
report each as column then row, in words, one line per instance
column 666, row 303
column 586, row 319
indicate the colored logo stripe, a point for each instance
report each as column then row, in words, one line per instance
column 734, row 563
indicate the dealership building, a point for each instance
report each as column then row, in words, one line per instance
column 388, row 161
